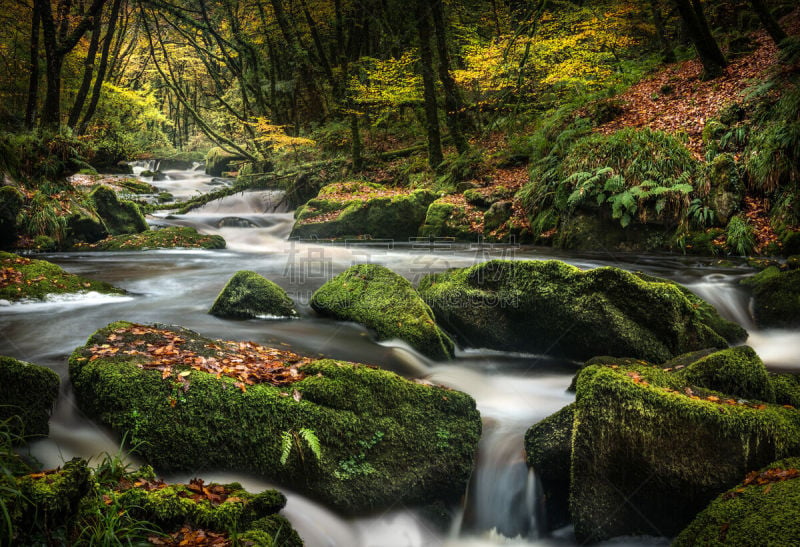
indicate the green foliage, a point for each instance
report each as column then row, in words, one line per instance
column 700, row 215
column 740, row 236
column 292, row 439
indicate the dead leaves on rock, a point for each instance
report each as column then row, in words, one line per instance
column 764, row 478
column 163, row 350
column 188, row 536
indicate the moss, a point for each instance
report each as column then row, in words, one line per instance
column 118, row 216
column 736, row 371
column 548, row 446
column 51, row 500
column 647, row 455
column 787, row 388
column 550, row 306
column 359, row 209
column 136, row 186
column 379, row 433
column 595, row 231
column 776, row 297
column 750, row 514
column 35, row 279
column 29, row 392
column 248, row 295
column 446, row 219
column 85, row 228
column 218, row 161
column 383, row 301
column 172, row 237
column 497, row 215
column 11, row 201
column 280, row 530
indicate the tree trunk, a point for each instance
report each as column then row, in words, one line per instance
column 773, row 28
column 453, row 103
column 691, row 12
column 667, row 51
column 101, row 70
column 33, row 83
column 355, row 145
column 88, row 71
column 435, row 156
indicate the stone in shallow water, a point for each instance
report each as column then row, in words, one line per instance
column 248, row 295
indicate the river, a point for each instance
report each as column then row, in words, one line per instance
column 512, row 391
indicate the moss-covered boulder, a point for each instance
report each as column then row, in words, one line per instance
column 172, row 237
column 248, row 295
column 85, row 228
column 453, row 216
column 218, row 161
column 384, row 301
column 28, row 393
column 548, row 446
column 650, row 450
column 23, row 278
column 764, row 509
column 359, row 209
column 118, row 215
column 597, row 231
column 554, row 308
column 11, row 201
column 776, row 297
column 736, row 371
column 353, row 436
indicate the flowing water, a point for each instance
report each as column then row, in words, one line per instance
column 512, row 391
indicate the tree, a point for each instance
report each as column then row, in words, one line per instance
column 422, row 15
column 454, row 105
column 768, row 21
column 691, row 11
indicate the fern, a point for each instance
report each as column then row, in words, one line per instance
column 286, row 446
column 312, row 441
column 290, row 438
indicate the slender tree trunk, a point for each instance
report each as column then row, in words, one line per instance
column 453, row 103
column 435, row 156
column 711, row 56
column 101, row 69
column 768, row 21
column 33, row 83
column 355, row 145
column 667, row 51
column 88, row 71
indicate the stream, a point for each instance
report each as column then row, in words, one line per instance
column 513, row 391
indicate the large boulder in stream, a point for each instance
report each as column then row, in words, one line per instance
column 248, row 295
column 360, row 209
column 764, row 509
column 354, row 436
column 554, row 308
column 23, row 278
column 118, row 215
column 28, row 393
column 171, row 237
column 650, row 446
column 776, row 297
column 386, row 302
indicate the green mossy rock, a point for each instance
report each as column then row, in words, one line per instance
column 787, row 388
column 381, row 300
column 737, row 371
column 218, row 161
column 248, row 295
column 279, row 529
column 83, row 228
column 28, row 393
column 750, row 514
column 593, row 232
column 548, row 446
column 497, row 215
column 11, row 201
column 358, row 209
column 53, row 500
column 45, row 278
column 118, row 216
column 776, row 297
column 649, row 451
column 446, row 219
column 172, row 237
column 384, row 440
column 554, row 308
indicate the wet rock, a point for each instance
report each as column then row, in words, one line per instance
column 28, row 393
column 776, row 297
column 248, row 295
column 118, row 216
column 383, row 301
column 10, row 205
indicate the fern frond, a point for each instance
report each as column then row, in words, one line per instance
column 286, row 446
column 312, row 441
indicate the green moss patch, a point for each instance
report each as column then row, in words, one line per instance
column 248, row 295
column 554, row 308
column 353, row 436
column 453, row 216
column 384, row 301
column 25, row 278
column 173, row 237
column 28, row 393
column 762, row 510
column 359, row 209
column 118, row 216
column 776, row 297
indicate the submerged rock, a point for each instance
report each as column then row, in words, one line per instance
column 353, row 436
column 248, row 295
column 554, row 308
column 172, row 237
column 119, row 216
column 386, row 302
column 28, row 393
column 650, row 449
column 764, row 509
column 776, row 297
column 27, row 278
column 359, row 209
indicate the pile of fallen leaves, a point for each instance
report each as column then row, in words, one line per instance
column 9, row 276
column 757, row 216
column 764, row 478
column 164, row 350
column 216, row 494
column 189, row 536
